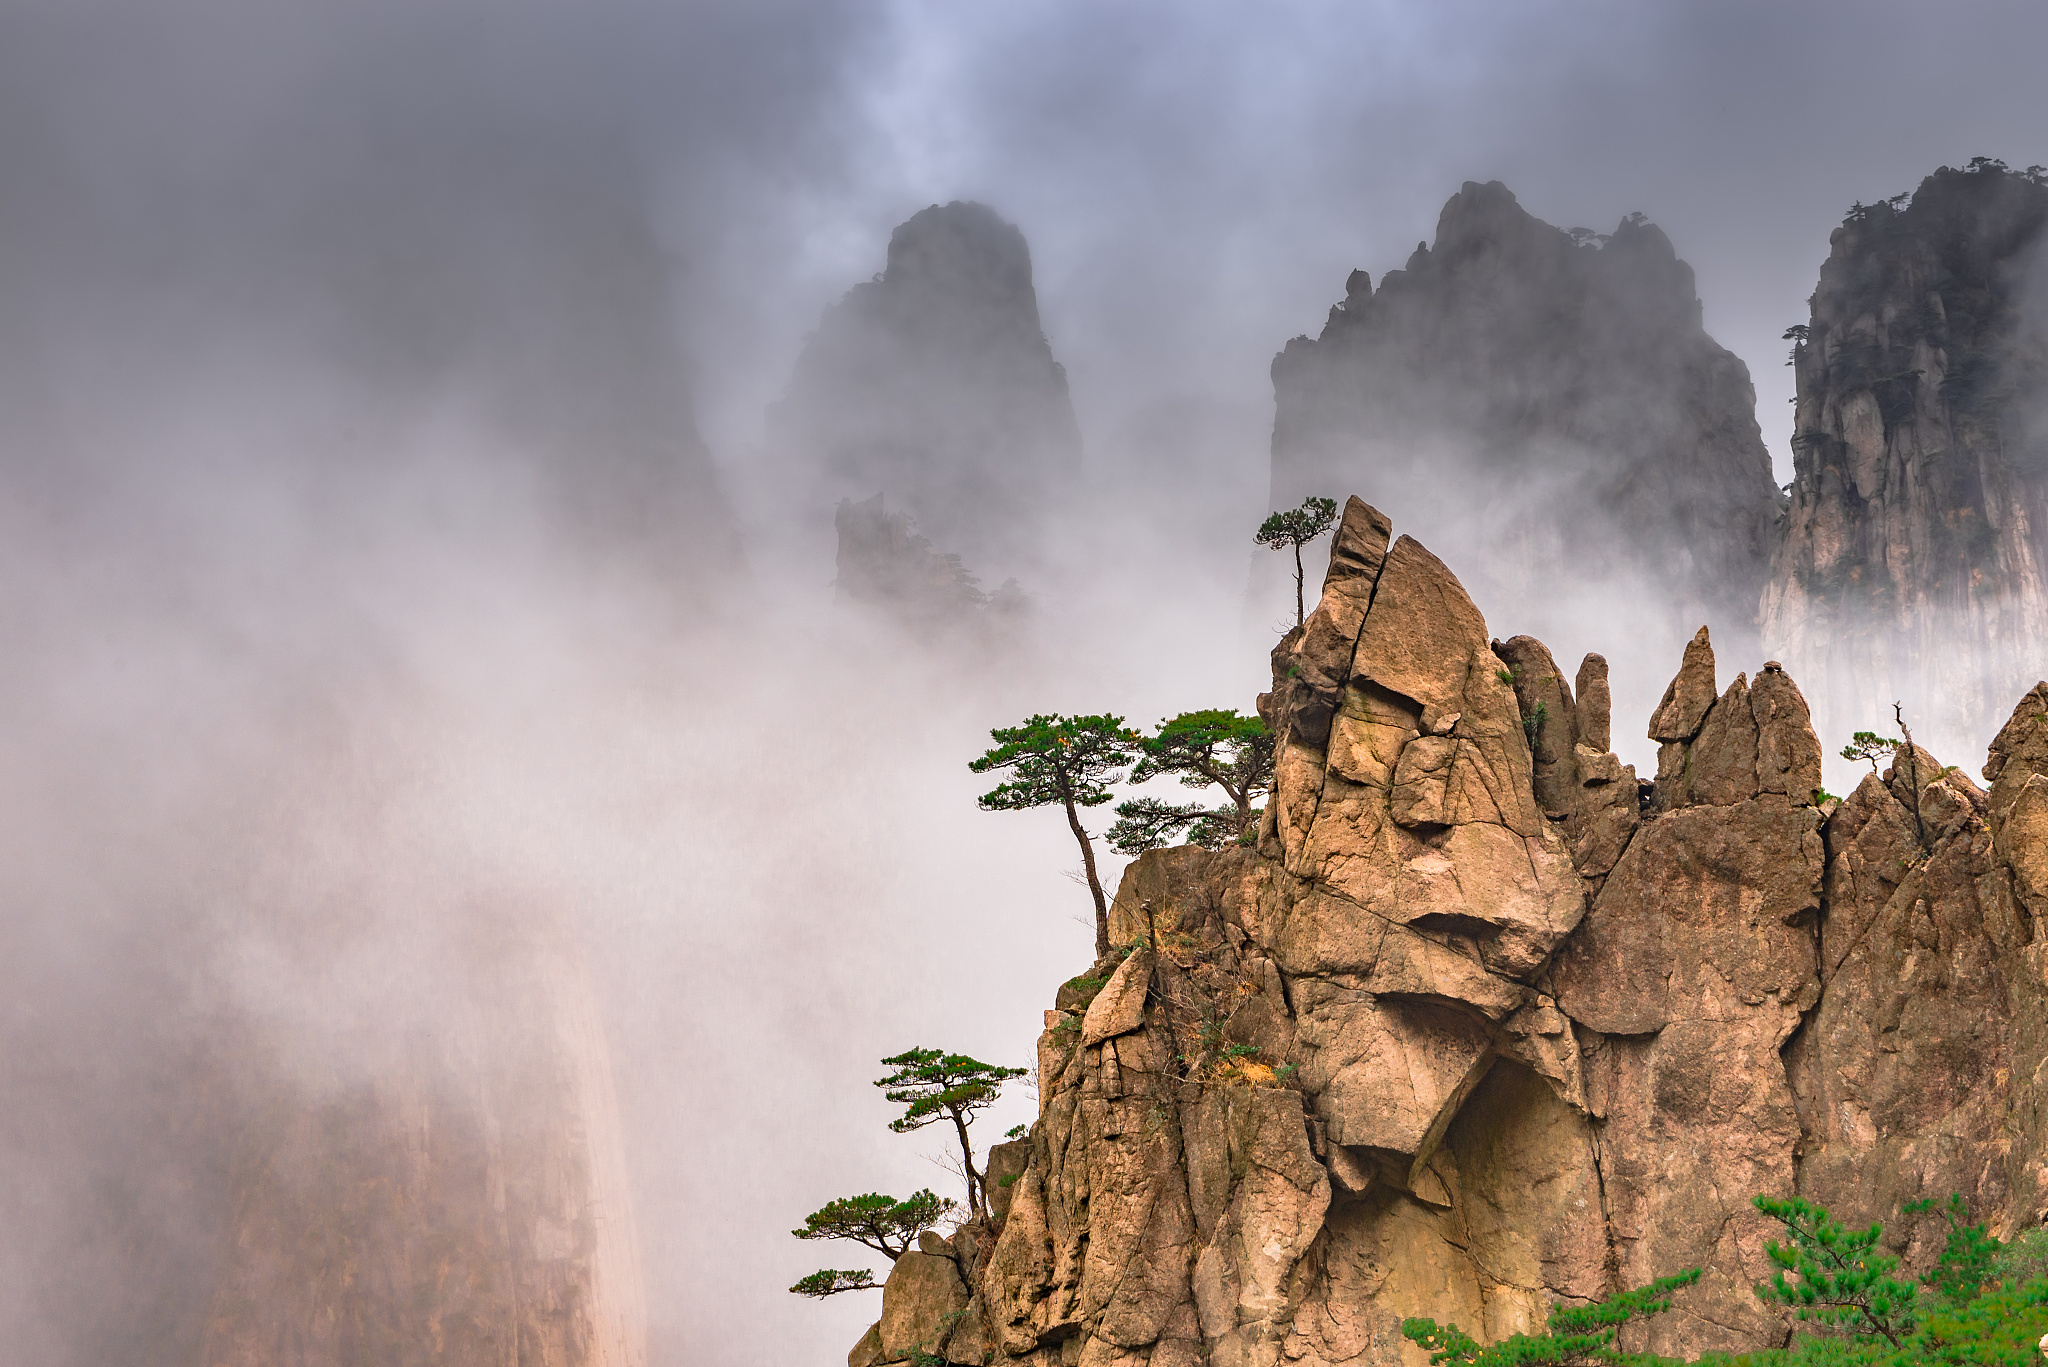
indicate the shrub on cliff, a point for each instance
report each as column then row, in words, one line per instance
column 1968, row 1310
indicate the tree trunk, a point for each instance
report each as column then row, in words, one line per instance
column 1297, row 584
column 1094, row 883
column 977, row 1198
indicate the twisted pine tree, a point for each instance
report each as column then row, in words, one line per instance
column 882, row 1223
column 1068, row 762
column 1207, row 749
column 1295, row 528
column 932, row 1085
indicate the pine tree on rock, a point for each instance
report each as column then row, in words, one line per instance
column 1294, row 529
column 1069, row 762
column 1213, row 748
column 932, row 1085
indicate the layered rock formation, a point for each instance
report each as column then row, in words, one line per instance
column 1912, row 565
column 1568, row 377
column 1483, row 1023
column 933, row 384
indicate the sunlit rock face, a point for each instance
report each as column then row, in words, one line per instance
column 1912, row 563
column 1546, row 410
column 933, row 384
column 468, row 1204
column 1483, row 1024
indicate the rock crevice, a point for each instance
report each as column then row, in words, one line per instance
column 1482, row 1023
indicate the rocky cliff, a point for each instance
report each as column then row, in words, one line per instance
column 1568, row 378
column 933, row 383
column 1484, row 1022
column 1912, row 565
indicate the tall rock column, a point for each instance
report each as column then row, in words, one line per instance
column 1565, row 374
column 1912, row 566
column 934, row 385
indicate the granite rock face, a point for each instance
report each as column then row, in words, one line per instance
column 1483, row 1023
column 1568, row 376
column 933, row 383
column 1912, row 561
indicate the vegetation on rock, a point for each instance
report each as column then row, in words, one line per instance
column 832, row 1281
column 1969, row 1308
column 1068, row 762
column 932, row 1085
column 1294, row 529
column 1214, row 748
column 888, row 1226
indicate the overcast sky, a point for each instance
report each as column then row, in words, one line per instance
column 280, row 616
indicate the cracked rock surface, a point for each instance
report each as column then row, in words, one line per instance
column 1481, row 1024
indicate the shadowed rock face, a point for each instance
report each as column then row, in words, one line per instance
column 1912, row 563
column 1482, row 1024
column 1572, row 383
column 933, row 384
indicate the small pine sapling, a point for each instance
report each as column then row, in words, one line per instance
column 1295, row 528
column 1833, row 1276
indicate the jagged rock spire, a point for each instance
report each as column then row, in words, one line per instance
column 934, row 384
column 1912, row 566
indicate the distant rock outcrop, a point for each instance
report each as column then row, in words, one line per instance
column 933, row 383
column 1481, row 1025
column 1913, row 565
column 1546, row 408
column 884, row 563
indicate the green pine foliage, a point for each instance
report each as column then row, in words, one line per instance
column 1836, row 1277
column 1968, row 1262
column 1293, row 529
column 1576, row 1335
column 1983, row 1304
column 883, row 1223
column 932, row 1085
column 831, row 1281
column 1216, row 748
column 1066, row 762
column 1868, row 745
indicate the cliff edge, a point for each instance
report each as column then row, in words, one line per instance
column 1485, row 1023
column 1912, row 562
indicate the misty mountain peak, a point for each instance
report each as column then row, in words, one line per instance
column 966, row 250
column 1914, row 565
column 933, row 383
column 1566, row 375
